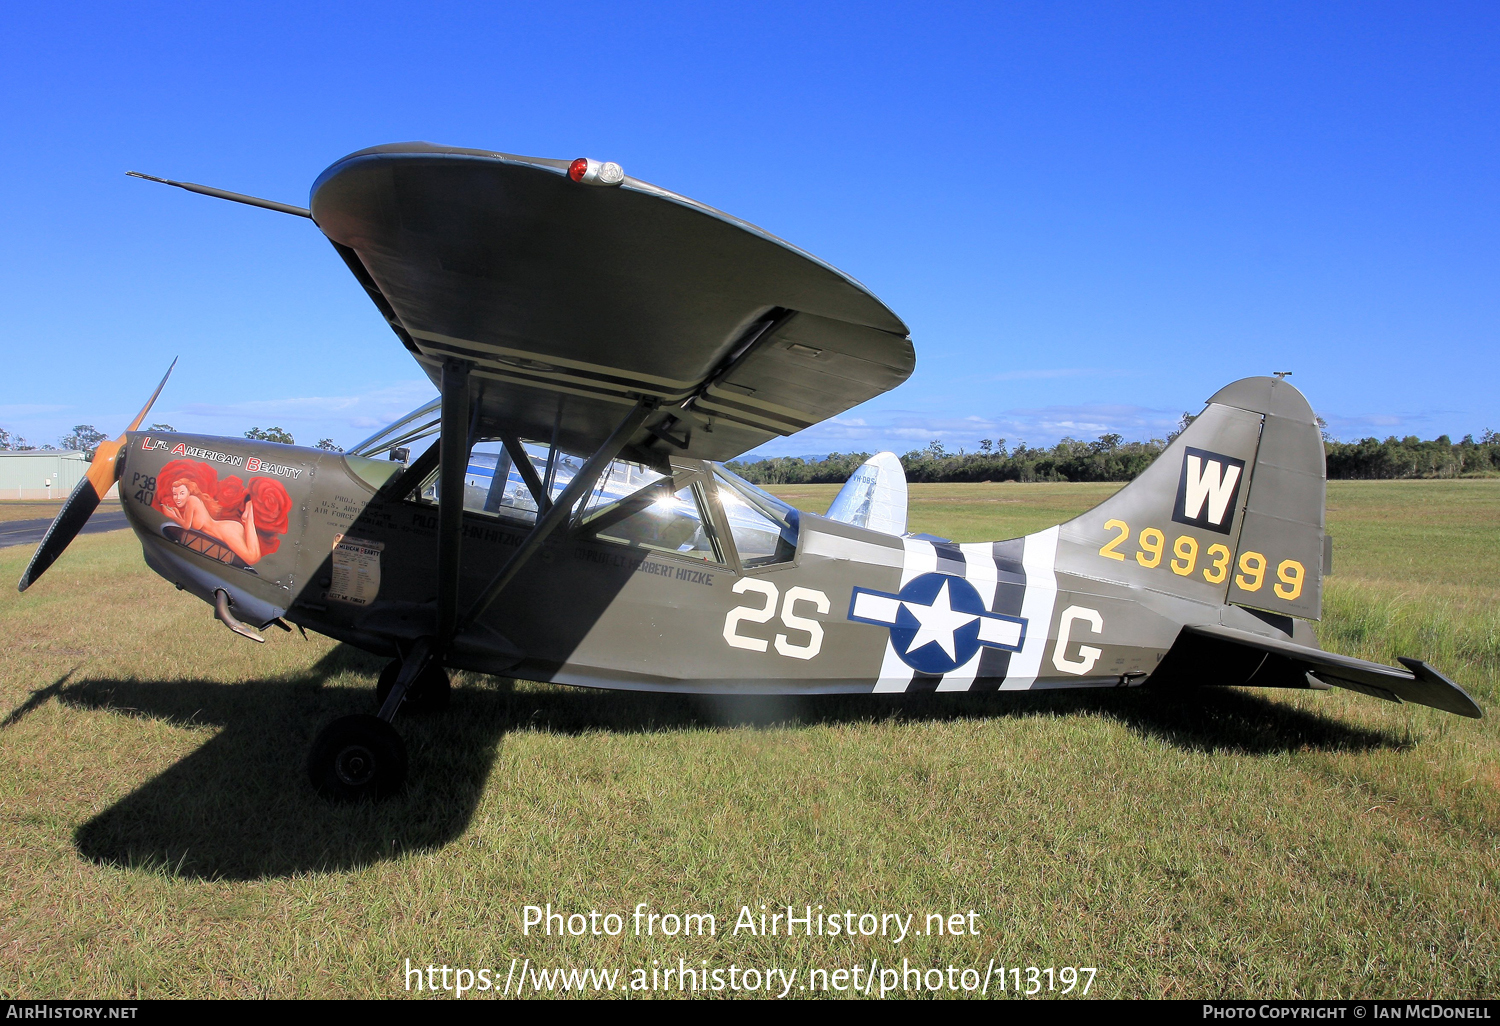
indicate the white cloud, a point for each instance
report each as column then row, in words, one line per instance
column 903, row 430
column 1362, row 425
column 345, row 418
column 305, row 408
column 373, row 408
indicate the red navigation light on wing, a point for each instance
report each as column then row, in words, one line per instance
column 596, row 172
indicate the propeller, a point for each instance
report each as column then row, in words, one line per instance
column 84, row 499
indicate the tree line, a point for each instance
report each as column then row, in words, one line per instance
column 1110, row 458
column 85, row 438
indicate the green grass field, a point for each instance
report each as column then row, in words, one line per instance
column 158, row 838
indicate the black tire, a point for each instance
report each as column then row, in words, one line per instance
column 430, row 694
column 357, row 757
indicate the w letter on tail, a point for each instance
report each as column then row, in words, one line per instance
column 1207, row 490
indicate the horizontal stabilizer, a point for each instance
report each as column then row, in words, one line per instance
column 1211, row 647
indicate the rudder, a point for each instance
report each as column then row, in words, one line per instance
column 1279, row 564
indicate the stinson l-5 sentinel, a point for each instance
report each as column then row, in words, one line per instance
column 562, row 514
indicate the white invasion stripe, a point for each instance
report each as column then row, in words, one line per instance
column 876, row 607
column 962, row 679
column 1039, row 560
column 895, row 676
column 979, row 570
column 921, row 558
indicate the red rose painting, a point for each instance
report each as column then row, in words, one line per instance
column 248, row 519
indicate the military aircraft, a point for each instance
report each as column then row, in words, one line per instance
column 561, row 512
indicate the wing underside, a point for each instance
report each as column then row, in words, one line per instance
column 574, row 302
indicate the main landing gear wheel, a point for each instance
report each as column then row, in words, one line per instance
column 357, row 757
column 428, row 694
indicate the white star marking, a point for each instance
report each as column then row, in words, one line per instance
column 938, row 621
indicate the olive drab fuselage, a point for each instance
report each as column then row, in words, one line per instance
column 1097, row 601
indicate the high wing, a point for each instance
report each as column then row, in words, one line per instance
column 574, row 302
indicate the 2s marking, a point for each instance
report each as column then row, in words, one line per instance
column 761, row 614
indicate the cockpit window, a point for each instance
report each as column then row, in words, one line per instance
column 621, row 480
column 631, row 504
column 656, row 516
column 763, row 527
column 494, row 485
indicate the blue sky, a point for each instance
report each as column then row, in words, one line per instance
column 1091, row 215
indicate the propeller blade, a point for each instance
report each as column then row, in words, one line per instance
column 85, row 497
column 150, row 402
column 65, row 527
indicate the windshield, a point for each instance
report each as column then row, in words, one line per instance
column 764, row 527
column 418, row 424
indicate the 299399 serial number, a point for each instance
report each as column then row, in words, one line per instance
column 1215, row 568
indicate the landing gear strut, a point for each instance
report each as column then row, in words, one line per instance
column 359, row 757
column 362, row 756
column 429, row 693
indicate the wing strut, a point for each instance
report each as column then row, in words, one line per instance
column 453, row 459
column 452, row 464
column 558, row 512
column 528, row 472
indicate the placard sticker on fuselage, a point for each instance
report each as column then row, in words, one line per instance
column 356, row 571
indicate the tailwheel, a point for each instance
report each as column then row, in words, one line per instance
column 428, row 694
column 357, row 757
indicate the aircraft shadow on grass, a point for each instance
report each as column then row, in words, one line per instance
column 240, row 807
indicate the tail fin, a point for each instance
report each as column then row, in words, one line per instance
column 1231, row 512
column 874, row 496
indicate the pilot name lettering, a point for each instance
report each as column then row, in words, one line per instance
column 640, row 565
column 675, row 573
